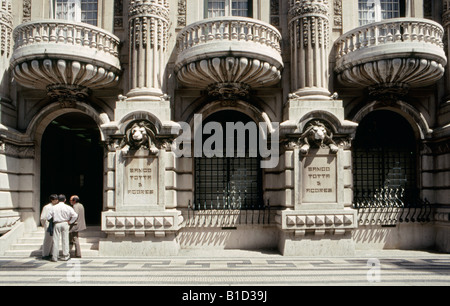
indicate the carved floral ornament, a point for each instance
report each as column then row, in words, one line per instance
column 305, row 7
column 149, row 7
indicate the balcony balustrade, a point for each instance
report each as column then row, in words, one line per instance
column 229, row 53
column 391, row 56
column 60, row 55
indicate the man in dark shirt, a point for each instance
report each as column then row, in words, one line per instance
column 78, row 226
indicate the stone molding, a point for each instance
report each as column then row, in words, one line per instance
column 8, row 220
column 390, row 56
column 140, row 224
column 44, row 55
column 229, row 50
column 318, row 222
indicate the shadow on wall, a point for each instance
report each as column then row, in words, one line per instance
column 404, row 236
column 242, row 237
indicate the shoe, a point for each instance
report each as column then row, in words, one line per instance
column 53, row 260
column 46, row 257
column 65, row 259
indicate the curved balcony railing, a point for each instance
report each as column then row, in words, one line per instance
column 247, row 44
column 400, row 50
column 53, row 52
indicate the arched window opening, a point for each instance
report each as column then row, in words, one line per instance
column 385, row 159
column 229, row 182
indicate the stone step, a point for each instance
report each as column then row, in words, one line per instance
column 31, row 243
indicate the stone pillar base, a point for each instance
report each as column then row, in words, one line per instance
column 133, row 246
column 313, row 245
column 140, row 233
column 316, row 232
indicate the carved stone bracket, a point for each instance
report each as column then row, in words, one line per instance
column 67, row 95
column 229, row 90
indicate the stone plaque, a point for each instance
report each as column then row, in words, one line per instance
column 319, row 179
column 141, row 181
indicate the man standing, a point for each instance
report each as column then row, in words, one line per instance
column 48, row 239
column 78, row 226
column 62, row 215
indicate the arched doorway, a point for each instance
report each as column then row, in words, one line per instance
column 385, row 157
column 72, row 162
column 233, row 182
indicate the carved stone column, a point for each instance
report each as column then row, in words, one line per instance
column 148, row 22
column 309, row 33
column 446, row 25
column 6, row 26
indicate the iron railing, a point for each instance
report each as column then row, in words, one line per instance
column 389, row 206
column 226, row 215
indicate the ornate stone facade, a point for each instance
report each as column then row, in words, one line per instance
column 333, row 103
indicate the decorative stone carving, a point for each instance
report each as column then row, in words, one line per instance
column 228, row 91
column 26, row 10
column 67, row 95
column 140, row 135
column 181, row 20
column 95, row 64
column 229, row 71
column 317, row 222
column 309, row 33
column 391, row 56
column 148, row 22
column 158, row 223
column 6, row 26
column 229, row 51
column 317, row 134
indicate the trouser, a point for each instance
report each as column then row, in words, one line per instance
column 60, row 232
column 73, row 240
column 48, row 243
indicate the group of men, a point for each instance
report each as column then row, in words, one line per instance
column 62, row 222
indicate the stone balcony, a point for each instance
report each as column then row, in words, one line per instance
column 391, row 56
column 65, row 58
column 229, row 55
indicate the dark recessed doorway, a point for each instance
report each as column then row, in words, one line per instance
column 72, row 163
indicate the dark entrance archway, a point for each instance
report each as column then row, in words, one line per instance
column 72, row 162
column 385, row 157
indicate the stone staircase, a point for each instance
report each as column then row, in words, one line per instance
column 31, row 243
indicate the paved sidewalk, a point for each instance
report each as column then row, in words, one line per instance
column 235, row 268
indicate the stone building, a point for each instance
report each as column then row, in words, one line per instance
column 344, row 108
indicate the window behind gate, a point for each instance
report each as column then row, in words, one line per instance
column 228, row 182
column 384, row 157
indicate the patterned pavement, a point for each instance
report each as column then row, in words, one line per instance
column 229, row 268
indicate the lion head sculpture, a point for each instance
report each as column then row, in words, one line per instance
column 139, row 136
column 317, row 134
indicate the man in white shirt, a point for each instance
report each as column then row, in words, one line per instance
column 62, row 215
column 48, row 239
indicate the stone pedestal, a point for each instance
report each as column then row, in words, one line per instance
column 138, row 221
column 322, row 221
